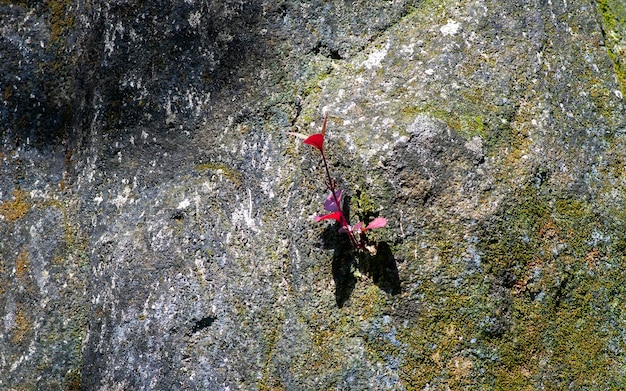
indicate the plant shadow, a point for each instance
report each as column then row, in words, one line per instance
column 379, row 265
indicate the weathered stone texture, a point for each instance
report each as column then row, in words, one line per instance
column 156, row 220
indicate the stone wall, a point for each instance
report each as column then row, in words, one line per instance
column 156, row 219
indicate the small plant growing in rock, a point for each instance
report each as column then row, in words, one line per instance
column 356, row 232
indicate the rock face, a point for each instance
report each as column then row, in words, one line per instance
column 156, row 221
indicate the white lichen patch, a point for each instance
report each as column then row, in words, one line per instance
column 407, row 50
column 243, row 216
column 375, row 59
column 184, row 204
column 38, row 194
column 200, row 268
column 9, row 315
column 450, row 28
column 194, row 19
column 121, row 199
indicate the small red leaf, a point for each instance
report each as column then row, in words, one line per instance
column 330, row 204
column 316, row 140
column 334, row 216
column 378, row 222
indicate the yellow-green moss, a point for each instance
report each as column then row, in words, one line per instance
column 73, row 380
column 22, row 264
column 221, row 169
column 313, row 85
column 269, row 382
column 74, row 240
column 22, row 326
column 614, row 17
column 561, row 281
column 467, row 125
column 370, row 303
column 16, row 208
column 61, row 18
column 555, row 328
column 436, row 338
column 471, row 125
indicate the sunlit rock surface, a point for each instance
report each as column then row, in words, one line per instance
column 156, row 220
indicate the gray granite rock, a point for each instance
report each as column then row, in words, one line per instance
column 156, row 219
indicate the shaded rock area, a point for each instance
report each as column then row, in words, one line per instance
column 156, row 221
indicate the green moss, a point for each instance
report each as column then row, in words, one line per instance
column 61, row 17
column 411, row 112
column 313, row 85
column 271, row 380
column 557, row 296
column 363, row 204
column 333, row 335
column 560, row 338
column 468, row 124
column 75, row 242
column 23, row 326
column 435, row 342
column 370, row 303
column 15, row 209
column 22, row 264
column 73, row 380
column 614, row 19
column 222, row 170
column 471, row 125
column 535, row 316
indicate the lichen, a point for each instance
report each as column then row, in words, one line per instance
column 61, row 17
column 73, row 380
column 614, row 19
column 16, row 208
column 23, row 326
column 557, row 296
column 22, row 264
column 510, row 277
column 269, row 382
column 222, row 170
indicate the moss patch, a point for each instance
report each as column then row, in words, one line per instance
column 16, row 208
column 614, row 17
column 73, row 380
column 535, row 316
column 221, row 170
column 61, row 17
column 22, row 264
column 23, row 326
column 563, row 278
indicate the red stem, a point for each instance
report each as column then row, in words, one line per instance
column 331, row 186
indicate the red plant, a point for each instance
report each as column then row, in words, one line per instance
column 333, row 201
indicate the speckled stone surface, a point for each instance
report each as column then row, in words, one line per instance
column 156, row 219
